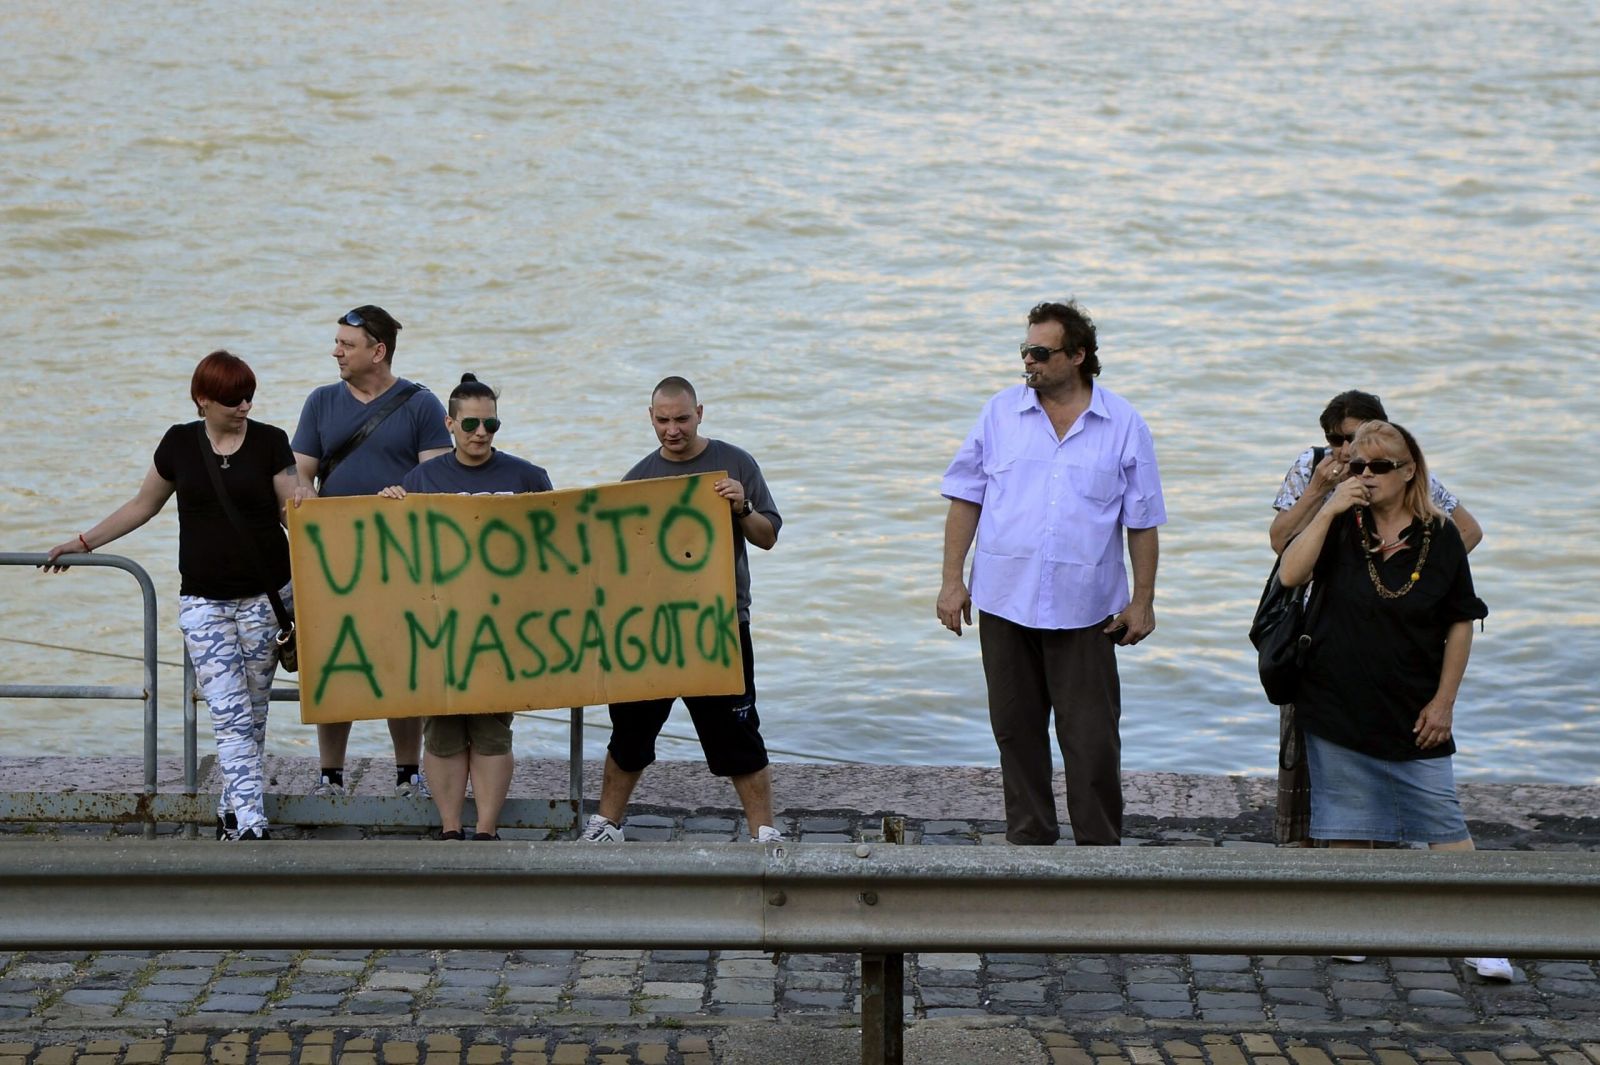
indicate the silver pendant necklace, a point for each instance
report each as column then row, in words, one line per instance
column 219, row 454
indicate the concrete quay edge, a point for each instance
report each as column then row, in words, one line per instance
column 924, row 792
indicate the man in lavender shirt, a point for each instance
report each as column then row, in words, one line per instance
column 1048, row 479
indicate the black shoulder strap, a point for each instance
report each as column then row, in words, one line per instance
column 393, row 403
column 246, row 540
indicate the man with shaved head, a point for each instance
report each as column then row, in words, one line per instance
column 728, row 725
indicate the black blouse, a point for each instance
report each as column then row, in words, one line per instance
column 1374, row 662
column 209, row 558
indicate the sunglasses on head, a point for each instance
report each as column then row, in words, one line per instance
column 354, row 318
column 1377, row 466
column 1038, row 352
column 470, row 425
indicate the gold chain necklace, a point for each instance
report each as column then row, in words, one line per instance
column 1416, row 574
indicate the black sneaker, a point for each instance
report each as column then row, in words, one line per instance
column 250, row 835
column 486, row 835
column 227, row 825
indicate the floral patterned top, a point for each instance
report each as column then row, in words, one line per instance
column 1299, row 475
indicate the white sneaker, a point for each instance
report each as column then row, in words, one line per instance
column 416, row 787
column 1493, row 968
column 768, row 834
column 1348, row 957
column 327, row 789
column 601, row 830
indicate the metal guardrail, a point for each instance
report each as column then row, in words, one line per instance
column 877, row 899
column 145, row 694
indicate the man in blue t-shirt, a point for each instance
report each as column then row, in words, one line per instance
column 728, row 725
column 411, row 432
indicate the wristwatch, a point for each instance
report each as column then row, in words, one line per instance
column 746, row 509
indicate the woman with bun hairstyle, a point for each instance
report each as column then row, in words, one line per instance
column 476, row 747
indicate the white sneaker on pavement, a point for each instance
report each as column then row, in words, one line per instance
column 1348, row 957
column 1493, row 968
column 768, row 834
column 327, row 789
column 601, row 830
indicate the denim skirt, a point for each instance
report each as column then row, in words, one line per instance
column 1356, row 796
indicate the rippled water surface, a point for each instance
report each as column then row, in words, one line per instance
column 832, row 217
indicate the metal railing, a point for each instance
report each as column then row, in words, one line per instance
column 375, row 811
column 145, row 694
column 191, row 808
column 873, row 898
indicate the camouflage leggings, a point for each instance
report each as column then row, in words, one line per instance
column 230, row 642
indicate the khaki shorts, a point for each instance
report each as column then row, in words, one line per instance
column 452, row 734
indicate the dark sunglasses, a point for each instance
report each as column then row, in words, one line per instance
column 1379, row 467
column 470, row 425
column 1038, row 352
column 1339, row 439
column 355, row 319
column 234, row 401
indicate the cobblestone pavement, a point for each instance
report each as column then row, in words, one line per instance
column 698, row 1007
column 654, row 1046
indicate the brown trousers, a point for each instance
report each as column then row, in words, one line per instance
column 1029, row 672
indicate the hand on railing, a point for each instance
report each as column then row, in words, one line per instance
column 75, row 546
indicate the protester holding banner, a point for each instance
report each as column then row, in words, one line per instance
column 224, row 609
column 355, row 437
column 458, row 748
column 728, row 725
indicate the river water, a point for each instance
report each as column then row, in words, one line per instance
column 832, row 217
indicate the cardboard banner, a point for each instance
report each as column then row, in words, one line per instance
column 458, row 604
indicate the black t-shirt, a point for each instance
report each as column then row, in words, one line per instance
column 210, row 559
column 1374, row 663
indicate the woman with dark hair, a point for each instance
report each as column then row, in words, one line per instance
column 1391, row 631
column 457, row 748
column 1317, row 472
column 228, row 621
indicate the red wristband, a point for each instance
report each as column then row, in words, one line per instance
column 85, row 543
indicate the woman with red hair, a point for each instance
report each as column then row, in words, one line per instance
column 229, row 624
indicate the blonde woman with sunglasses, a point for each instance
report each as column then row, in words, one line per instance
column 1391, row 631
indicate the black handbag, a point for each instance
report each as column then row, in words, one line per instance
column 288, row 652
column 1280, row 633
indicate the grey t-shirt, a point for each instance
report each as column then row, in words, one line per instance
column 742, row 468
column 332, row 415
